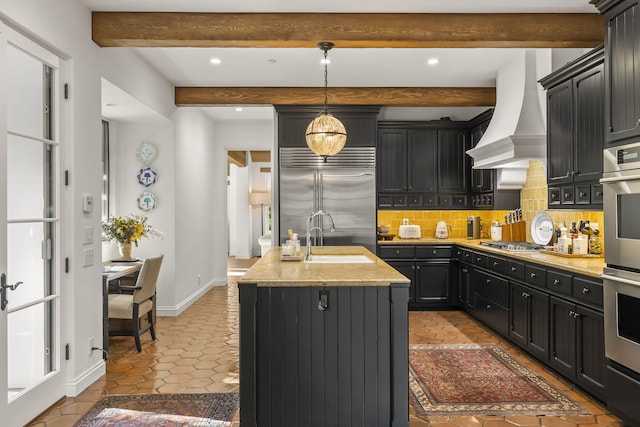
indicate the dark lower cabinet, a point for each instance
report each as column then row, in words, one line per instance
column 577, row 345
column 324, row 356
column 432, row 282
column 529, row 319
column 408, row 270
column 491, row 313
column 466, row 289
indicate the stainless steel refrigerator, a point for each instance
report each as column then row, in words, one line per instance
column 344, row 187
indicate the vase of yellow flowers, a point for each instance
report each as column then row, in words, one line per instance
column 127, row 231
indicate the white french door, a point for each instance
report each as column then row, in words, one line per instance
column 30, row 365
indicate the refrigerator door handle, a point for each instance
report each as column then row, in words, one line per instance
column 359, row 175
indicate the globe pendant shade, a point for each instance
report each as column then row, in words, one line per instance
column 326, row 135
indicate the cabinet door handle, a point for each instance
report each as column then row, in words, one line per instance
column 533, row 275
column 411, row 187
column 556, row 282
column 514, row 268
column 576, row 315
column 413, row 267
column 571, row 313
column 495, row 263
column 488, row 281
column 585, row 290
column 478, row 259
column 488, row 307
column 323, row 301
column 418, row 267
column 464, row 270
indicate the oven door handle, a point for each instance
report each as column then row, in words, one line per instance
column 619, row 179
column 619, row 279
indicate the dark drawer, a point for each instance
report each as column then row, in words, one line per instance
column 399, row 200
column 391, row 252
column 559, row 282
column 515, row 269
column 535, row 276
column 554, row 196
column 415, row 200
column 445, row 201
column 460, row 201
column 567, row 195
column 460, row 254
column 583, row 194
column 385, row 200
column 433, row 252
column 497, row 265
column 492, row 287
column 479, row 259
column 596, row 193
column 492, row 314
column 429, row 200
column 587, row 291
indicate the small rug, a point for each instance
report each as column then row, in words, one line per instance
column 474, row 379
column 169, row 410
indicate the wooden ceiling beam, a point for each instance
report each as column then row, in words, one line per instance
column 383, row 96
column 238, row 158
column 260, row 156
column 347, row 30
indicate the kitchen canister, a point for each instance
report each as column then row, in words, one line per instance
column 496, row 231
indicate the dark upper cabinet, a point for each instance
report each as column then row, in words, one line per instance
column 481, row 179
column 392, row 160
column 422, row 160
column 575, row 131
column 360, row 122
column 560, row 133
column 453, row 162
column 622, row 68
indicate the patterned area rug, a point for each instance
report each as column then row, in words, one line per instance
column 473, row 379
column 147, row 410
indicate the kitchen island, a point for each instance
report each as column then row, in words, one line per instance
column 324, row 343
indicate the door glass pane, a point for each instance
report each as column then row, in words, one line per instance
column 28, row 344
column 26, row 112
column 25, row 263
column 25, row 188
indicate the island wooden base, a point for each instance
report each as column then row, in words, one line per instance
column 324, row 356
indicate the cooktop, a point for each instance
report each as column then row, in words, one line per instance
column 515, row 246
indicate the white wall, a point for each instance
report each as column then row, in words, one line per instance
column 239, row 212
column 65, row 27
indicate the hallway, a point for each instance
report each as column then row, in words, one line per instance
column 197, row 352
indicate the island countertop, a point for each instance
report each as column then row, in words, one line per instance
column 270, row 270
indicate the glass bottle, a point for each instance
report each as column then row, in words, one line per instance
column 595, row 246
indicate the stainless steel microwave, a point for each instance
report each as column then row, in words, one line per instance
column 621, row 182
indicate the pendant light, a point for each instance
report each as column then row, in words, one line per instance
column 326, row 135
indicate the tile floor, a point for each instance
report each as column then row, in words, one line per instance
column 198, row 352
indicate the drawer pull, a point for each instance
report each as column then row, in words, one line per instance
column 488, row 281
column 525, row 295
column 435, row 252
column 413, row 267
column 556, row 282
column 514, row 268
column 583, row 194
column 585, row 290
column 598, row 193
column 495, row 263
column 488, row 307
column 533, row 275
column 567, row 195
column 478, row 259
column 397, row 251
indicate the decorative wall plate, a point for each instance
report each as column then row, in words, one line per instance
column 147, row 176
column 147, row 201
column 146, row 153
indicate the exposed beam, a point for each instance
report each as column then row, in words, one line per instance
column 238, row 158
column 347, row 30
column 384, row 96
column 260, row 156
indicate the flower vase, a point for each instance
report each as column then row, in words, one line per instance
column 125, row 251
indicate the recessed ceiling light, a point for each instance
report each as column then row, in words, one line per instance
column 325, row 61
column 238, row 108
column 433, row 61
column 272, row 61
column 111, row 104
column 215, row 61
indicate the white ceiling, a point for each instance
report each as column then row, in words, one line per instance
column 349, row 67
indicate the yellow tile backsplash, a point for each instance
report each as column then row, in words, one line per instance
column 533, row 198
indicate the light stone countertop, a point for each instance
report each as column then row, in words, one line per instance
column 271, row 271
column 592, row 267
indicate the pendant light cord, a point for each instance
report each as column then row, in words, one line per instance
column 326, row 90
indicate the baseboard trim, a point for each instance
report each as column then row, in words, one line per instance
column 91, row 375
column 169, row 311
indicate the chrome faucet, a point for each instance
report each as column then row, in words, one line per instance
column 310, row 229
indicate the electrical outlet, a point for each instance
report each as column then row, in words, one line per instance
column 87, row 237
column 88, row 257
column 91, row 345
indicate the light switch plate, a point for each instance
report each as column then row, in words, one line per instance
column 88, row 257
column 87, row 203
column 87, row 236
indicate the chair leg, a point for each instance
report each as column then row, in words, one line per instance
column 136, row 327
column 151, row 328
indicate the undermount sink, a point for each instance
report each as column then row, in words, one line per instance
column 340, row 259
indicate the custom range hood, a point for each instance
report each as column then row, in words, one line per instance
column 517, row 131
